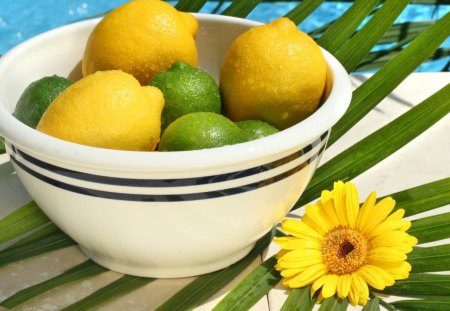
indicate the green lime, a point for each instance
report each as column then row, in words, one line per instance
column 37, row 97
column 200, row 130
column 255, row 129
column 186, row 89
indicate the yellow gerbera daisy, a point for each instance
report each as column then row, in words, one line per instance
column 341, row 248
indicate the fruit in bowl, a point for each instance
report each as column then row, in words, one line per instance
column 162, row 214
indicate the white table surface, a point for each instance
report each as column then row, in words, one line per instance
column 424, row 160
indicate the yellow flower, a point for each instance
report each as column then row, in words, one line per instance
column 341, row 248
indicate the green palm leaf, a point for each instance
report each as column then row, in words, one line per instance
column 333, row 304
column 81, row 271
column 190, row 5
column 207, row 285
column 372, row 305
column 299, row 300
column 342, row 29
column 434, row 304
column 119, row 287
column 302, row 11
column 241, row 8
column 370, row 93
column 23, row 220
column 372, row 149
column 430, row 259
column 351, row 46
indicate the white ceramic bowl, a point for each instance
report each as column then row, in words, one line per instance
column 161, row 214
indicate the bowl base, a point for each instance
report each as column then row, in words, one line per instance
column 164, row 272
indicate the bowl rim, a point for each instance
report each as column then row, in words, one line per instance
column 70, row 154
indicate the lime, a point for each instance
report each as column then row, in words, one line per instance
column 255, row 129
column 37, row 97
column 200, row 130
column 106, row 109
column 186, row 89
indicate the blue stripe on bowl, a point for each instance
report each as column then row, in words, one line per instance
column 166, row 197
column 181, row 182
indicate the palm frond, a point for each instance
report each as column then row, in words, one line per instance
column 369, row 94
column 372, row 149
column 240, row 8
column 190, row 5
column 204, row 286
column 303, row 10
column 120, row 287
column 84, row 270
column 351, row 43
column 342, row 29
column 299, row 299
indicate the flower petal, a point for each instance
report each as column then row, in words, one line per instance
column 377, row 214
column 375, row 276
column 299, row 229
column 314, row 219
column 339, row 191
column 308, row 276
column 364, row 212
column 329, row 287
column 390, row 238
column 386, row 254
column 301, row 255
column 292, row 243
column 359, row 288
column 386, row 226
column 288, row 273
column 398, row 270
column 352, row 204
column 398, row 214
column 343, row 286
column 328, row 212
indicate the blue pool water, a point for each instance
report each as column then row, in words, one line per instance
column 22, row 19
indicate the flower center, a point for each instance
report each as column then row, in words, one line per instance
column 344, row 250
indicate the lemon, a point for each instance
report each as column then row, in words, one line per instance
column 141, row 37
column 108, row 109
column 37, row 97
column 200, row 130
column 186, row 89
column 254, row 129
column 274, row 73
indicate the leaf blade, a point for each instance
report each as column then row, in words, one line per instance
column 430, row 259
column 303, row 10
column 418, row 285
column 378, row 86
column 251, row 288
column 372, row 305
column 21, row 221
column 333, row 304
column 435, row 304
column 84, row 270
column 359, row 45
column 190, row 5
column 240, row 8
column 34, row 248
column 372, row 149
column 423, row 198
column 299, row 300
column 343, row 28
column 206, row 285
column 432, row 228
column 116, row 289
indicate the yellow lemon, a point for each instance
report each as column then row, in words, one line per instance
column 143, row 38
column 275, row 73
column 108, row 109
